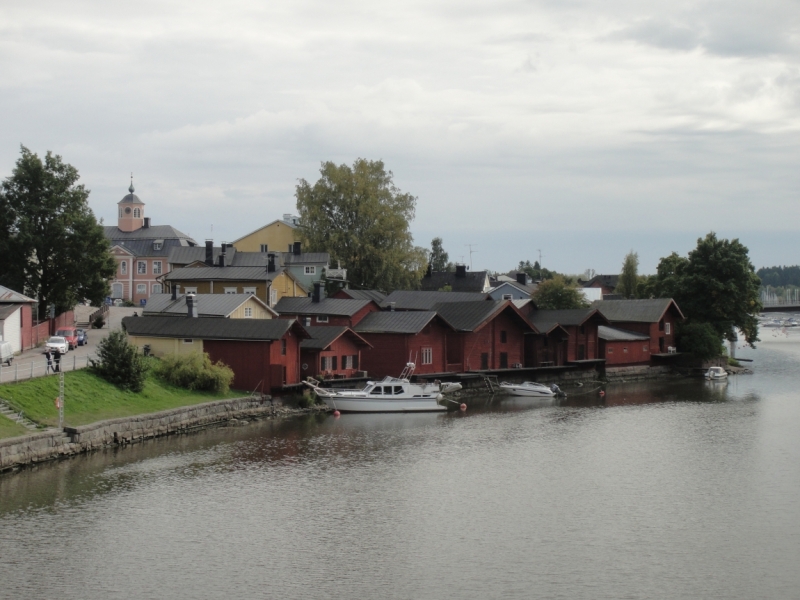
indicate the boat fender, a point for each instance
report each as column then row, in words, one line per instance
column 463, row 407
column 336, row 414
column 602, row 393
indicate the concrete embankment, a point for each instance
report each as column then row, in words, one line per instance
column 52, row 444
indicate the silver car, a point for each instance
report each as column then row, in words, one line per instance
column 57, row 343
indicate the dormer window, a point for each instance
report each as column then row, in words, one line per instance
column 157, row 245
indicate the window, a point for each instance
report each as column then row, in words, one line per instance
column 611, row 351
column 188, row 341
column 156, row 288
column 230, row 290
column 137, row 212
column 311, row 270
column 248, row 312
column 157, row 245
column 666, row 328
column 344, row 362
column 120, row 212
column 141, row 288
column 427, row 356
column 283, row 350
column 323, row 363
column 264, row 248
column 273, row 297
column 123, row 267
column 190, row 290
column 503, row 337
column 291, row 248
column 141, row 267
column 508, row 297
column 157, row 267
column 321, row 319
column 625, row 350
column 504, row 360
column 644, row 348
column 251, row 291
column 333, row 362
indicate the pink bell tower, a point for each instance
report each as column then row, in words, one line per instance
column 131, row 211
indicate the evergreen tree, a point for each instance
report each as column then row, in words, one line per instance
column 120, row 363
column 629, row 278
column 439, row 258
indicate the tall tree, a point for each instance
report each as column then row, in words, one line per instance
column 629, row 278
column 557, row 294
column 439, row 258
column 51, row 244
column 359, row 216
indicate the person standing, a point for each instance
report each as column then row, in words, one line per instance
column 49, row 358
column 57, row 359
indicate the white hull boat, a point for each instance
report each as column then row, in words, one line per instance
column 392, row 394
column 716, row 374
column 531, row 389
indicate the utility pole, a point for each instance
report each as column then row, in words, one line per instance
column 471, row 252
column 539, row 250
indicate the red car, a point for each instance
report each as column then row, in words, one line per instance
column 71, row 335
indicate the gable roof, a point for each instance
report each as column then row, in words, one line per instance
column 472, row 316
column 340, row 307
column 610, row 281
column 322, row 337
column 544, row 320
column 9, row 295
column 527, row 288
column 222, row 274
column 612, row 334
column 405, row 322
column 280, row 221
column 638, row 311
column 427, row 300
column 374, row 295
column 470, row 281
column 213, row 329
column 208, row 305
column 154, row 232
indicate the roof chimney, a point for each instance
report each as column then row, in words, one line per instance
column 270, row 263
column 461, row 270
column 522, row 278
column 146, row 223
column 319, row 292
column 175, row 289
column 297, row 249
column 391, row 306
column 191, row 305
column 210, row 253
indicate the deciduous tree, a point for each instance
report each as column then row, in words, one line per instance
column 50, row 242
column 629, row 278
column 359, row 216
column 557, row 294
column 439, row 259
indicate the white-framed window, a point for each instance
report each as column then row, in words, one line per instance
column 291, row 248
column 137, row 212
column 611, row 351
column 141, row 267
column 508, row 297
column 141, row 288
column 190, row 290
column 157, row 266
column 322, row 319
column 324, row 363
column 120, row 212
column 188, row 341
column 123, row 267
column 156, row 289
column 273, row 297
column 427, row 356
column 251, row 291
column 311, row 270
column 231, row 290
column 625, row 350
column 307, row 321
column 666, row 328
column 157, row 245
column 264, row 248
column 248, row 312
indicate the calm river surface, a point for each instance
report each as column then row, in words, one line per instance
column 662, row 490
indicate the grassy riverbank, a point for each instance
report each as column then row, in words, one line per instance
column 10, row 429
column 89, row 398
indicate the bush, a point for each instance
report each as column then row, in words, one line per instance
column 120, row 363
column 195, row 371
column 98, row 322
column 700, row 340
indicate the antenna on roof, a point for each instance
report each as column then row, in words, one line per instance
column 471, row 252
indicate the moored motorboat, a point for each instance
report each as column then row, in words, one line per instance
column 391, row 394
column 716, row 374
column 532, row 389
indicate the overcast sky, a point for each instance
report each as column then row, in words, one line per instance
column 579, row 128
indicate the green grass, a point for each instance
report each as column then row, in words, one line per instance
column 88, row 398
column 10, row 429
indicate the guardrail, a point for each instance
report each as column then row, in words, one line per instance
column 38, row 368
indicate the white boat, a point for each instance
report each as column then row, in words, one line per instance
column 716, row 374
column 392, row 394
column 531, row 389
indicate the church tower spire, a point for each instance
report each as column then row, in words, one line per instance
column 131, row 211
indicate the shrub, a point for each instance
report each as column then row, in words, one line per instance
column 700, row 340
column 120, row 363
column 195, row 371
column 98, row 322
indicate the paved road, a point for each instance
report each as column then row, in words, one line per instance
column 77, row 358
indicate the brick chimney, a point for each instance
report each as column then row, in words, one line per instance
column 209, row 253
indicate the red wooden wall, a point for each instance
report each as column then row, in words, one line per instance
column 344, row 345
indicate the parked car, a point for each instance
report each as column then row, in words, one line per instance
column 6, row 353
column 83, row 339
column 71, row 335
column 57, row 343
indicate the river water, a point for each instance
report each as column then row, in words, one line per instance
column 685, row 489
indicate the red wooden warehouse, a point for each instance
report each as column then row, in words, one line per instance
column 332, row 352
column 657, row 318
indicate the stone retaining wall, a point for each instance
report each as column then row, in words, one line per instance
column 48, row 445
column 638, row 373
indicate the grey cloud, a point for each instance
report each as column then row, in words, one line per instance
column 662, row 33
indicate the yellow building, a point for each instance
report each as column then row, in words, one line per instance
column 278, row 236
column 267, row 285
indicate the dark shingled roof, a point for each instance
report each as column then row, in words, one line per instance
column 472, row 281
column 322, row 337
column 339, row 307
column 189, row 255
column 306, row 258
column 212, row 329
column 426, row 300
column 208, row 305
column 610, row 281
column 544, row 320
column 155, row 232
column 471, row 316
column 407, row 322
column 635, row 311
column 374, row 295
column 611, row 334
column 145, row 247
column 221, row 274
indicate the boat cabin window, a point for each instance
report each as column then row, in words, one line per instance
column 398, row 389
column 377, row 390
